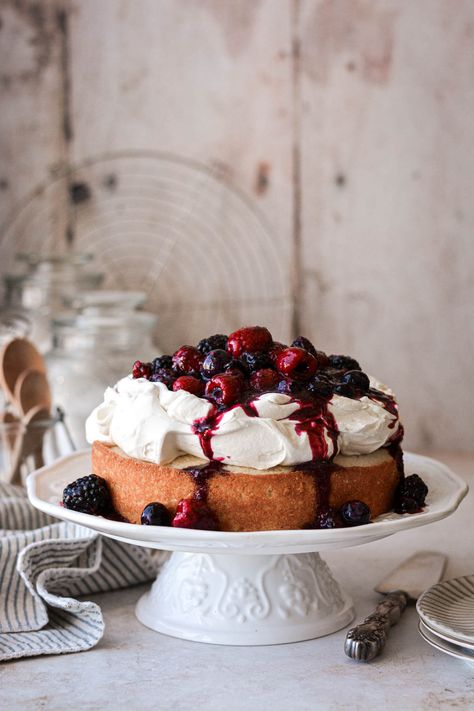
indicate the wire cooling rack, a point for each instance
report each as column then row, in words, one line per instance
column 177, row 229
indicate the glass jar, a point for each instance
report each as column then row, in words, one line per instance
column 43, row 285
column 13, row 324
column 91, row 352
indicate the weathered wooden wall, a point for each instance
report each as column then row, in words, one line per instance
column 350, row 123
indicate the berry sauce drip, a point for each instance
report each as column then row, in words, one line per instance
column 314, row 419
column 321, row 471
column 201, row 476
column 388, row 403
column 204, row 428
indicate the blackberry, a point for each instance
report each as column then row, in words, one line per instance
column 414, row 488
column 302, row 342
column 164, row 361
column 212, row 343
column 163, row 375
column 256, row 361
column 88, row 494
column 405, row 504
column 342, row 362
column 321, row 385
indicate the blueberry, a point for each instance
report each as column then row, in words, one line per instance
column 353, row 384
column 355, row 513
column 155, row 514
column 215, row 362
column 356, row 379
column 342, row 362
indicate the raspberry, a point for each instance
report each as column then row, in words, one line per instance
column 225, row 389
column 141, row 370
column 264, row 380
column 88, row 494
column 191, row 513
column 251, row 339
column 256, row 361
column 161, row 362
column 217, row 342
column 190, row 384
column 296, row 363
column 187, row 360
column 305, row 344
column 155, row 514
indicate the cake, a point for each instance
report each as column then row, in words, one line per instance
column 242, row 433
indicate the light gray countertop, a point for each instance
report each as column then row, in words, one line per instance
column 135, row 668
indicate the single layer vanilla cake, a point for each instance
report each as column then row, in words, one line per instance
column 242, row 433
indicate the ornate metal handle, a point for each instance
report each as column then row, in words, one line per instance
column 366, row 641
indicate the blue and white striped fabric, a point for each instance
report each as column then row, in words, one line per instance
column 44, row 566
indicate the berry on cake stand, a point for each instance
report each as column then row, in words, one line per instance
column 245, row 588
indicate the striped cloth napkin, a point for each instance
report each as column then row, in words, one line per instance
column 44, row 566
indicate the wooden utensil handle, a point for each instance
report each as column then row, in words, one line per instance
column 366, row 641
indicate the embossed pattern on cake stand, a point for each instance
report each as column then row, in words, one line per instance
column 251, row 588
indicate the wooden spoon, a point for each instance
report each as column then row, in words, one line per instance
column 31, row 442
column 16, row 356
column 31, row 390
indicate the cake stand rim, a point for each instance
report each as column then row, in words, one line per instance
column 248, row 542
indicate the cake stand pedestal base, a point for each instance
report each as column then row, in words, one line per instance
column 245, row 599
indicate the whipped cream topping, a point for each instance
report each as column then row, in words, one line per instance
column 148, row 421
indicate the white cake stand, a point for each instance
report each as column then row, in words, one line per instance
column 263, row 587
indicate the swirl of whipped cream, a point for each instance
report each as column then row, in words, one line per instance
column 148, row 421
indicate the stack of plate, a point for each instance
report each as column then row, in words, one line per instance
column 446, row 613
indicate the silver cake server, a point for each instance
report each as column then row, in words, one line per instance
column 406, row 582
